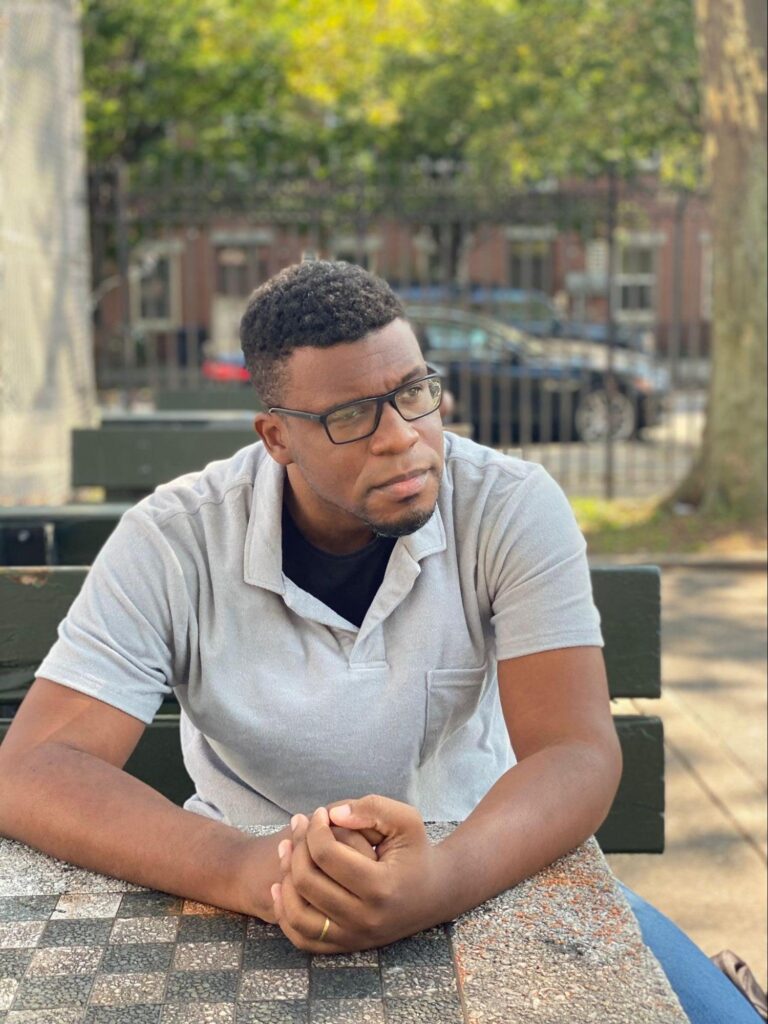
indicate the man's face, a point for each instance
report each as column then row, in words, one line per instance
column 387, row 482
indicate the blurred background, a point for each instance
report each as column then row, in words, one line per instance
column 532, row 179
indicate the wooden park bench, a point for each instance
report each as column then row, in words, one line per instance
column 33, row 600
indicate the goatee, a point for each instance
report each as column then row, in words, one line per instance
column 408, row 524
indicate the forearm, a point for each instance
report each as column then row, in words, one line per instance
column 540, row 809
column 81, row 809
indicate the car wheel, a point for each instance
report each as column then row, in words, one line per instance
column 591, row 420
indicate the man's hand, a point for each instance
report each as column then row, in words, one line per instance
column 370, row 901
column 253, row 902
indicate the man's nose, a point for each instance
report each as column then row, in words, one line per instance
column 393, row 432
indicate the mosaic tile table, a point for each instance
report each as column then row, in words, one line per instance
column 80, row 948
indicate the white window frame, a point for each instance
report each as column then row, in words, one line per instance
column 258, row 239
column 519, row 234
column 346, row 247
column 650, row 240
column 166, row 249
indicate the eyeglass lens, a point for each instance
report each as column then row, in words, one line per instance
column 352, row 422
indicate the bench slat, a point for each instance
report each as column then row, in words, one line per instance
column 636, row 821
column 138, row 459
column 33, row 601
column 629, row 601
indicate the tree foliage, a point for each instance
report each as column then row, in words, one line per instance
column 516, row 89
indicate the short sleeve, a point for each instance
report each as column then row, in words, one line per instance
column 537, row 572
column 123, row 640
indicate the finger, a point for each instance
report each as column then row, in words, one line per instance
column 390, row 818
column 314, row 884
column 297, row 921
column 354, row 839
column 284, row 853
column 373, row 837
column 353, row 871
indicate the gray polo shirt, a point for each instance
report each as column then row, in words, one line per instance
column 284, row 704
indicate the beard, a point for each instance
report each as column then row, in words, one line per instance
column 409, row 523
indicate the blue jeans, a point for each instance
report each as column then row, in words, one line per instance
column 705, row 993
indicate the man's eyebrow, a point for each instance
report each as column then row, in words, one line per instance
column 418, row 371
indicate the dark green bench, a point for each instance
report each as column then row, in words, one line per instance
column 226, row 398
column 34, row 600
column 56, row 534
column 130, row 456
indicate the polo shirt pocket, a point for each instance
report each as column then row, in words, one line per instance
column 453, row 695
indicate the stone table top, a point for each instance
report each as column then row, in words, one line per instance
column 562, row 947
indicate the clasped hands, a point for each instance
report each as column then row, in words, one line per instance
column 362, row 874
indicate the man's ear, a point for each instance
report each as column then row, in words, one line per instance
column 274, row 433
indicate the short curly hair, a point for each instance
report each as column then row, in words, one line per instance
column 318, row 303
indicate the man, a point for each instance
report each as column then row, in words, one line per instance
column 362, row 618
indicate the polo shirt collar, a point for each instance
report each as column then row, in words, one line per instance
column 263, row 552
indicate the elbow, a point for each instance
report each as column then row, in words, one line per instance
column 611, row 764
column 615, row 763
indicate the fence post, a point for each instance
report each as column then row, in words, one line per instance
column 677, row 291
column 123, row 261
column 610, row 379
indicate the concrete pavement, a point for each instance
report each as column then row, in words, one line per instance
column 711, row 880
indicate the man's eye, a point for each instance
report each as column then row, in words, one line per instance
column 351, row 413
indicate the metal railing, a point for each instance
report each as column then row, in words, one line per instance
column 606, row 284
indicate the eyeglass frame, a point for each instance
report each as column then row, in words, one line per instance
column 381, row 400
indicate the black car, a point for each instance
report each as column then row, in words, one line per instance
column 532, row 312
column 512, row 389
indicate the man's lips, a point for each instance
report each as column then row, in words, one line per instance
column 405, row 485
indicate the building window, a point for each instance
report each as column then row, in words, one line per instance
column 240, row 269
column 530, row 266
column 635, row 283
column 364, row 252
column 156, row 286
column 529, row 260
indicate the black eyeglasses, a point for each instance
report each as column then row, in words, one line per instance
column 355, row 420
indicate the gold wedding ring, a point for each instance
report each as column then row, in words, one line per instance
column 324, row 932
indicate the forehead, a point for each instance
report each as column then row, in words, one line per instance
column 321, row 377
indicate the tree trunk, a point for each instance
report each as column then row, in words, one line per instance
column 729, row 474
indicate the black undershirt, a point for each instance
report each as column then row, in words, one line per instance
column 346, row 583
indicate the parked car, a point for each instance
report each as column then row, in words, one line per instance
column 511, row 388
column 533, row 312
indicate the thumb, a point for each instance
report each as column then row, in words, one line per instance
column 380, row 814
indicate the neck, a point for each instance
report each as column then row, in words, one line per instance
column 326, row 528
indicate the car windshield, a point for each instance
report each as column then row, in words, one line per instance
column 449, row 331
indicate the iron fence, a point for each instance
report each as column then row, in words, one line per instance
column 572, row 323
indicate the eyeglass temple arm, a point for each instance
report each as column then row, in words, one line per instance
column 297, row 413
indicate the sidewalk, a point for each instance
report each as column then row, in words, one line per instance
column 711, row 880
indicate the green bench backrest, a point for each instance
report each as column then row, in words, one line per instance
column 34, row 600
column 66, row 534
column 133, row 460
column 223, row 399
